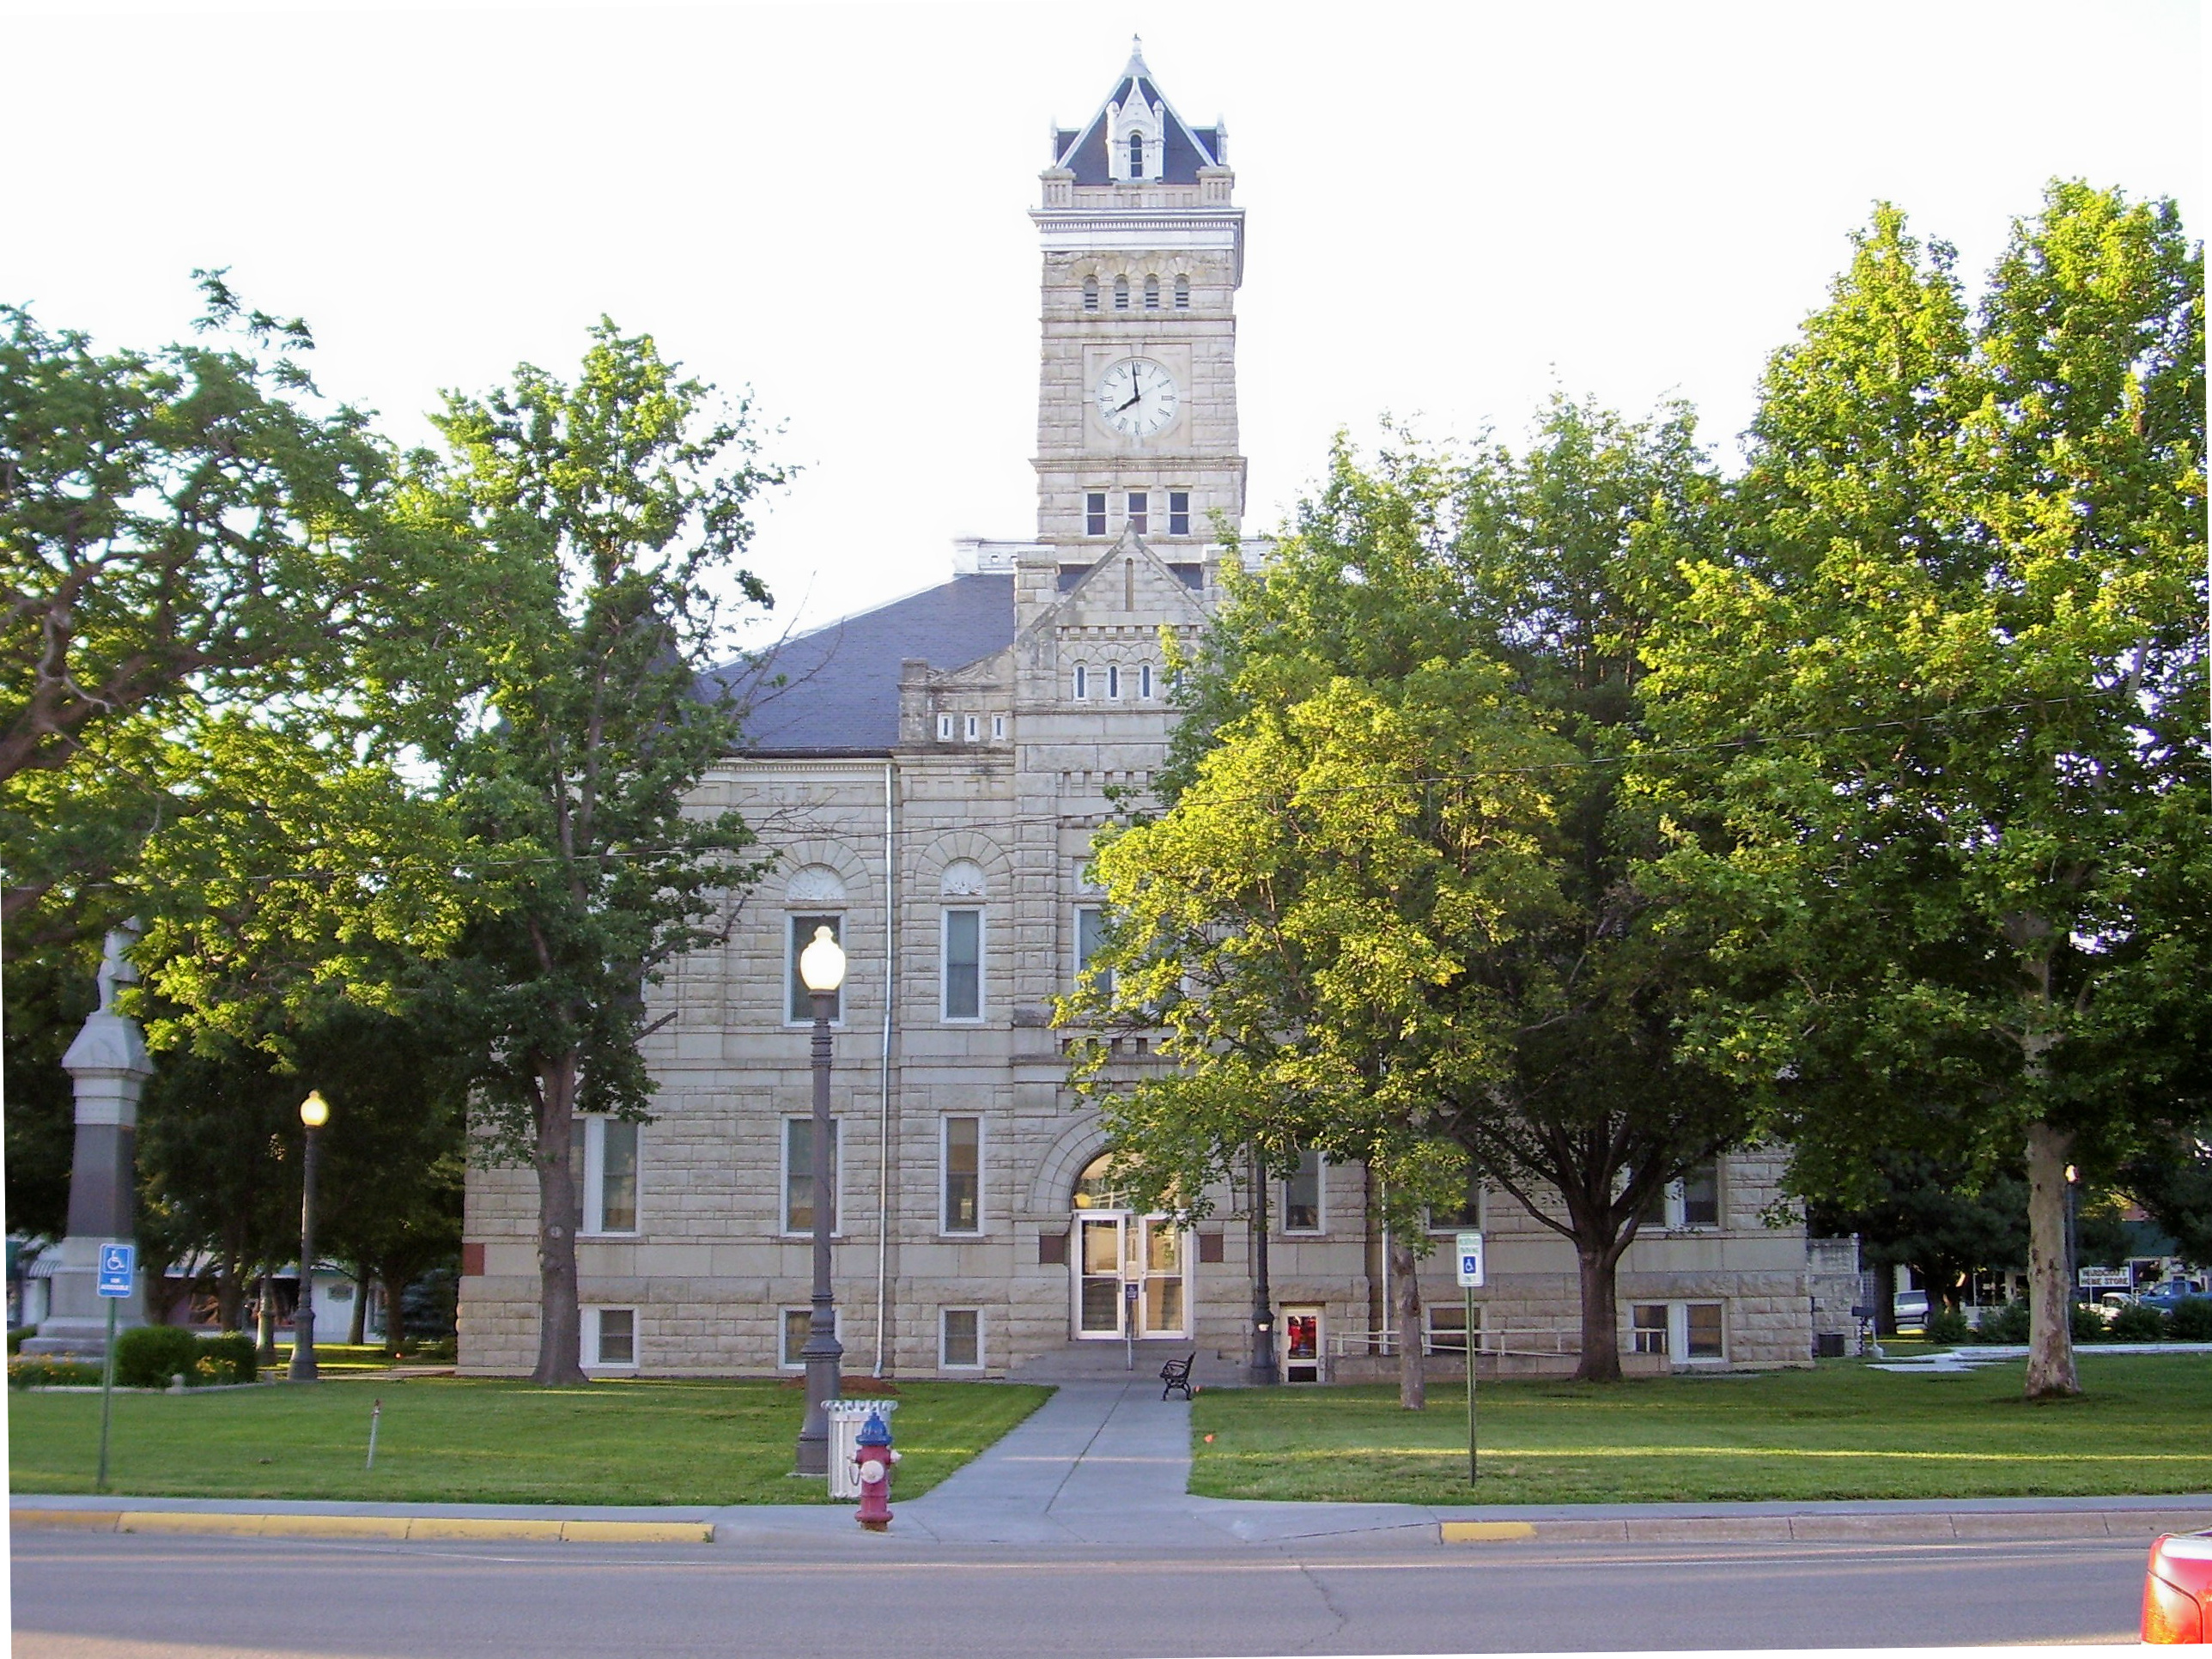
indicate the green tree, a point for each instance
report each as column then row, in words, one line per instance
column 1935, row 716
column 613, row 513
column 1386, row 910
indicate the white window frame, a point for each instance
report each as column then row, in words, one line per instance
column 944, row 1173
column 1095, row 512
column 1320, row 1199
column 944, row 728
column 787, row 1359
column 1678, row 1330
column 971, row 727
column 588, row 1338
column 1080, row 961
column 998, row 726
column 783, row 1176
column 1456, row 1307
column 945, row 1013
column 593, row 1222
column 794, row 986
column 1139, row 518
column 943, row 1364
column 1676, row 1213
column 1183, row 514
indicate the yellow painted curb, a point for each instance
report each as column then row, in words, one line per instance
column 188, row 1521
column 87, row 1520
column 1485, row 1532
column 431, row 1526
column 369, row 1526
column 638, row 1532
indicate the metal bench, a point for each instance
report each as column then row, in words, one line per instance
column 1177, row 1375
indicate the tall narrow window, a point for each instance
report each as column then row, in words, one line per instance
column 1183, row 294
column 1120, row 293
column 964, row 965
column 971, row 726
column 1090, row 939
column 1136, row 155
column 1302, row 1194
column 1694, row 1200
column 960, row 1344
column 1152, row 293
column 963, row 1176
column 1701, row 1323
column 1091, row 293
column 1140, row 511
column 1094, row 513
column 1082, row 681
column 1144, row 680
column 1469, row 1215
column 798, row 1174
column 1113, row 682
column 610, row 1176
column 800, row 1008
column 1178, row 512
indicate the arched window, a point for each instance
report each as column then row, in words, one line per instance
column 1152, row 293
column 1136, row 155
column 1113, row 681
column 1144, row 680
column 1082, row 681
column 1096, row 1187
column 1120, row 293
column 1183, row 294
column 1091, row 293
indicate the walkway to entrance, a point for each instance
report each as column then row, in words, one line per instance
column 1098, row 1462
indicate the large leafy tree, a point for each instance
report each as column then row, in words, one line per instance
column 614, row 510
column 180, row 531
column 1386, row 910
column 1936, row 716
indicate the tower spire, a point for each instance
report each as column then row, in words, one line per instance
column 1136, row 65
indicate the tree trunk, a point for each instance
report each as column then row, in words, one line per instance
column 1405, row 1291
column 2049, row 1297
column 358, row 1331
column 560, row 1325
column 1601, row 1360
column 265, row 1344
column 395, row 1318
column 230, row 1293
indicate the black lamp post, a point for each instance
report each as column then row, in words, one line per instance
column 314, row 1112
column 822, row 969
column 1263, row 1312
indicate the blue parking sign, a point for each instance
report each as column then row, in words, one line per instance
column 1470, row 1260
column 117, row 1268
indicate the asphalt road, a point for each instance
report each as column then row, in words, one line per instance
column 95, row 1596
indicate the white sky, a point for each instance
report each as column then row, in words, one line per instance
column 1450, row 209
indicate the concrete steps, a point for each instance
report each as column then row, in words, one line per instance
column 1107, row 1362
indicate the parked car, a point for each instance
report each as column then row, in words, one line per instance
column 1908, row 1309
column 2167, row 1297
column 2177, row 1589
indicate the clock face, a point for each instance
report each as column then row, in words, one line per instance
column 1137, row 396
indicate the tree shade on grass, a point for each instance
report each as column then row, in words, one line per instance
column 465, row 1440
column 1843, row 1430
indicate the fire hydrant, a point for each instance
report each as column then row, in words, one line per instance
column 875, row 1458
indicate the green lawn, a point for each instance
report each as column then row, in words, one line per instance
column 445, row 1439
column 1843, row 1430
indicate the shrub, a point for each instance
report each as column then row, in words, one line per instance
column 45, row 1370
column 229, row 1358
column 2008, row 1324
column 2137, row 1323
column 147, row 1356
column 15, row 1338
column 2191, row 1320
column 1948, row 1326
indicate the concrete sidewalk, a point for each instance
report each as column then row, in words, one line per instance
column 1106, row 1465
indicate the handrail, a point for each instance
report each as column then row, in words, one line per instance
column 1551, row 1340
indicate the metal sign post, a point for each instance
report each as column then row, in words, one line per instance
column 1470, row 1279
column 118, row 1268
column 1129, row 1324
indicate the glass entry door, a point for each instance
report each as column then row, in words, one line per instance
column 1117, row 1253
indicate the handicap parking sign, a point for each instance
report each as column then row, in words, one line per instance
column 118, row 1267
column 1470, row 1260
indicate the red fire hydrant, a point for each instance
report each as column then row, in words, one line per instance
column 875, row 1458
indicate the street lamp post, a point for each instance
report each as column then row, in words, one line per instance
column 314, row 1112
column 822, row 969
column 1262, row 1373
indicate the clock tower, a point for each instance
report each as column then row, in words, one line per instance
column 1137, row 396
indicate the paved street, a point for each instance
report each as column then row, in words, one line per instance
column 1075, row 1533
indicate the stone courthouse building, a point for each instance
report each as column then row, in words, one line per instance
column 930, row 775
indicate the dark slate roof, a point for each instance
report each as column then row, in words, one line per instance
column 840, row 683
column 1188, row 148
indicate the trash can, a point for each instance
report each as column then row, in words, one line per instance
column 847, row 1419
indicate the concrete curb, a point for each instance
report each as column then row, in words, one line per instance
column 2135, row 1525
column 414, row 1527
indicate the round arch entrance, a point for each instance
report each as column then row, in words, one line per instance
column 1130, row 1272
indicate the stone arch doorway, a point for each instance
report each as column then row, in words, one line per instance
column 1129, row 1272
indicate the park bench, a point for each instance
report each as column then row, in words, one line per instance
column 1177, row 1375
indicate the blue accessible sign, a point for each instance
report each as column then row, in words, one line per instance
column 1470, row 1260
column 117, row 1268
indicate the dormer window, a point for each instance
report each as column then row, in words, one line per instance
column 1120, row 293
column 1152, row 293
column 1136, row 155
column 1091, row 293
